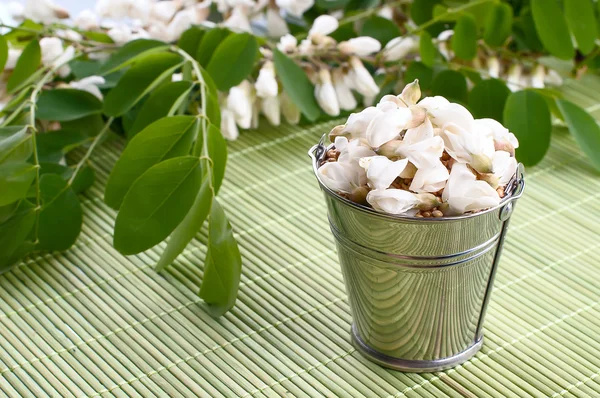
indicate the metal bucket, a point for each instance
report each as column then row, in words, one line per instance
column 418, row 287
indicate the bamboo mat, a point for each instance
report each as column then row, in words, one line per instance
column 91, row 322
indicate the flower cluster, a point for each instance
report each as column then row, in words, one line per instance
column 427, row 158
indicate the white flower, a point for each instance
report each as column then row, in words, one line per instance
column 342, row 90
column 360, row 46
column 493, row 66
column 342, row 177
column 54, row 55
column 15, row 10
column 537, row 76
column 271, row 109
column 387, row 126
column 398, row 48
column 442, row 112
column 357, row 123
column 276, row 25
column 68, row 34
column 239, row 101
column 295, row 7
column 504, row 140
column 504, row 167
column 362, row 80
column 306, row 47
column 443, row 39
column 411, row 93
column 513, row 81
column 399, row 201
column 13, row 57
column 430, row 179
column 290, row 111
column 238, row 20
column 228, row 126
column 465, row 193
column 89, row 84
column 381, row 172
column 386, row 12
column 287, row 44
column 469, row 147
column 323, row 25
column 120, row 34
column 352, row 151
column 266, row 85
column 44, row 11
column 164, row 11
column 421, row 146
column 325, row 93
column 86, row 20
column 118, row 9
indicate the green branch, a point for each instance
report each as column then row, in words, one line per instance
column 446, row 14
column 101, row 134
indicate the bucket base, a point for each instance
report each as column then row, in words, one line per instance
column 418, row 366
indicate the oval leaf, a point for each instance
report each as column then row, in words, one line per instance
column 16, row 144
column 233, row 60
column 53, row 145
column 217, row 151
column 130, row 53
column 450, row 84
column 223, row 265
column 26, row 65
column 487, row 99
column 13, row 234
column 498, row 25
column 156, row 203
column 209, row 43
column 3, row 52
column 464, row 40
column 190, row 40
column 552, row 28
column 584, row 128
column 166, row 138
column 159, row 104
column 296, row 85
column 381, row 29
column 419, row 71
column 64, row 104
column 526, row 114
column 581, row 20
column 427, row 49
column 61, row 217
column 139, row 80
column 83, row 180
column 15, row 179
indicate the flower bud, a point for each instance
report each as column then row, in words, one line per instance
column 239, row 101
column 398, row 48
column 287, row 44
column 276, row 25
column 362, row 79
column 411, row 93
column 513, row 80
column 344, row 94
column 228, row 125
column 323, row 25
column 359, row 195
column 493, row 66
column 537, row 76
column 270, row 108
column 325, row 94
column 360, row 46
column 266, row 85
column 427, row 201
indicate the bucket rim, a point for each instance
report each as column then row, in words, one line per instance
column 517, row 184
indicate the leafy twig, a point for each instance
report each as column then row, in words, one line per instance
column 446, row 14
column 87, row 155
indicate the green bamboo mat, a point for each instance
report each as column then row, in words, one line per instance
column 91, row 322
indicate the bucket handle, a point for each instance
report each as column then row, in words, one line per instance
column 316, row 152
column 516, row 188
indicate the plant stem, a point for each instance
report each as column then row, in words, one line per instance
column 371, row 11
column 87, row 155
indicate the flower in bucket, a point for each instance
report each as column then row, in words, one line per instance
column 420, row 157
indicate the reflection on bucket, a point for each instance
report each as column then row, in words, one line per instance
column 418, row 287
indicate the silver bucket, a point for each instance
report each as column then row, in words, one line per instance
column 418, row 287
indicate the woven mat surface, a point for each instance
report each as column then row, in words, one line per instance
column 91, row 322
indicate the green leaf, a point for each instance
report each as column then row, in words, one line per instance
column 15, row 179
column 209, row 43
column 28, row 31
column 130, row 53
column 191, row 224
column 217, row 150
column 83, row 180
column 16, row 144
column 166, row 138
column 61, row 217
column 345, row 31
column 450, row 84
column 26, row 65
column 190, row 40
column 581, row 20
column 159, row 104
column 381, row 29
column 552, row 28
column 7, row 211
column 526, row 114
column 138, row 81
column 88, row 126
column 487, row 99
column 3, row 52
column 418, row 70
column 13, row 234
column 233, row 60
column 223, row 265
column 525, row 31
column 53, row 145
column 213, row 110
column 332, row 4
column 296, row 85
column 82, row 68
column 584, row 128
column 156, row 203
column 498, row 25
column 464, row 40
column 421, row 11
column 99, row 37
column 64, row 104
column 427, row 49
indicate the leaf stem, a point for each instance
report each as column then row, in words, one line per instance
column 446, row 14
column 87, row 155
column 371, row 11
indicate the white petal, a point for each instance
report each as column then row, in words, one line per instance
column 504, row 167
column 398, row 48
column 295, row 7
column 393, row 201
column 344, row 94
column 44, row 11
column 13, row 57
column 287, row 43
column 464, row 193
column 276, row 25
column 361, row 46
column 228, row 126
column 271, row 109
column 430, row 179
column 362, row 79
column 290, row 111
column 239, row 101
column 266, row 85
column 238, row 20
column 381, row 172
column 387, row 126
column 323, row 25
column 325, row 94
column 340, row 177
